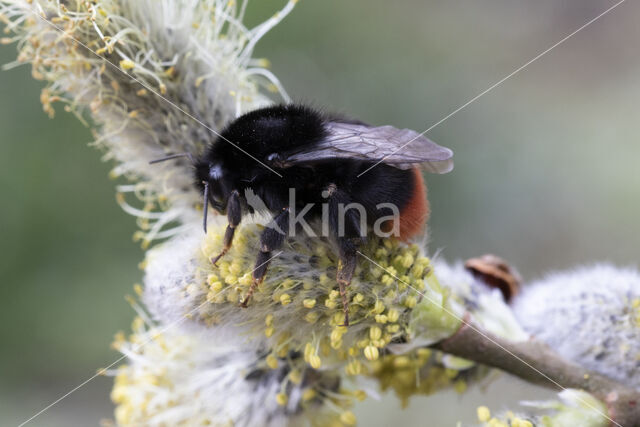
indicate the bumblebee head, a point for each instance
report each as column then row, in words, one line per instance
column 209, row 178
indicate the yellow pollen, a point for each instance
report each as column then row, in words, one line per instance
column 410, row 301
column 308, row 394
column 137, row 288
column 285, row 299
column 375, row 333
column 282, row 399
column 393, row 315
column 378, row 308
column 272, row 361
column 315, row 361
column 360, row 395
column 311, row 317
column 519, row 422
column 295, row 377
column 381, row 318
column 371, row 353
column 484, row 414
column 127, row 64
column 348, row 418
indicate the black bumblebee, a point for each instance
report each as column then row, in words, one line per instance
column 293, row 149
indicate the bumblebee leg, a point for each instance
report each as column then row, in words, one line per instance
column 234, row 215
column 346, row 269
column 271, row 239
column 346, row 228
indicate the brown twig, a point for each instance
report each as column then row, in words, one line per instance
column 535, row 362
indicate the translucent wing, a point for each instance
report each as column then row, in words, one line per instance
column 401, row 148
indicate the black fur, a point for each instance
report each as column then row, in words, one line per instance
column 266, row 132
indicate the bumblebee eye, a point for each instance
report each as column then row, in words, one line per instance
column 216, row 196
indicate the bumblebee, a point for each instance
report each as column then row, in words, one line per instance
column 302, row 163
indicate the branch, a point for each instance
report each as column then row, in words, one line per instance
column 544, row 367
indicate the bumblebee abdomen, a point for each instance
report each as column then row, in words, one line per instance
column 403, row 188
column 415, row 213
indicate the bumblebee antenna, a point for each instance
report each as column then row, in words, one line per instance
column 174, row 156
column 206, row 205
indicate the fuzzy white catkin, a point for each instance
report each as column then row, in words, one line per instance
column 180, row 281
column 183, row 288
column 572, row 408
column 590, row 315
column 162, row 77
column 486, row 305
column 174, row 288
column 173, row 378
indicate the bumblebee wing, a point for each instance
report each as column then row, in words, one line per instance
column 401, row 148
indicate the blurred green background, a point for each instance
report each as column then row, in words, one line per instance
column 546, row 173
